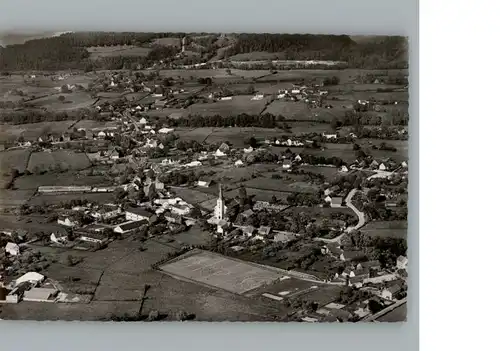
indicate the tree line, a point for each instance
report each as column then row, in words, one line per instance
column 266, row 120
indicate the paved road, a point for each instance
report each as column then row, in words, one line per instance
column 361, row 216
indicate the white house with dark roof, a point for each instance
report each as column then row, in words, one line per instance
column 137, row 214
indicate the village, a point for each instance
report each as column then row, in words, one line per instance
column 209, row 186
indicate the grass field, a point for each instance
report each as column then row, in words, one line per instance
column 297, row 110
column 65, row 160
column 14, row 198
column 62, row 179
column 71, row 101
column 399, row 314
column 280, row 185
column 318, row 212
column 97, row 52
column 259, row 194
column 387, row 229
column 14, row 159
column 238, row 105
column 168, row 42
column 31, row 131
column 29, row 223
column 192, row 196
column 221, row 272
column 91, row 124
column 46, row 199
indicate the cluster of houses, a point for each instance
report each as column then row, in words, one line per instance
column 31, row 286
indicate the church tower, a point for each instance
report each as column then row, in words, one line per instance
column 220, row 204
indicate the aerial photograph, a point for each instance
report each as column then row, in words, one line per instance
column 243, row 177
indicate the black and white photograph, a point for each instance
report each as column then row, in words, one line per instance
column 204, row 177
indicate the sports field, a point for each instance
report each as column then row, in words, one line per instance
column 221, row 272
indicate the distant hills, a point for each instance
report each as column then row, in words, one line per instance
column 60, row 50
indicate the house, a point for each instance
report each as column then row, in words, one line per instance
column 238, row 163
column 402, row 262
column 173, row 218
column 30, row 277
column 68, row 221
column 165, row 130
column 159, row 185
column 40, row 295
column 404, row 164
column 181, row 210
column 219, row 153
column 12, row 249
column 101, row 135
column 334, row 201
column 223, row 226
column 374, row 164
column 297, row 158
column 108, row 211
column 248, row 150
column 137, row 214
column 343, row 169
column 248, row 230
column 391, row 292
column 59, row 238
column 382, row 167
column 224, row 147
column 205, row 183
column 247, row 213
column 193, row 164
column 352, row 255
column 226, row 98
column 264, row 231
column 356, row 281
column 114, row 155
column 287, row 164
column 129, row 226
column 142, row 120
column 372, row 265
column 283, row 237
column 92, row 237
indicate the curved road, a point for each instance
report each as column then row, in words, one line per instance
column 361, row 215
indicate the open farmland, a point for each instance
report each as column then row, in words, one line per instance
column 33, row 181
column 97, row 52
column 280, row 185
column 386, row 229
column 237, row 105
column 31, row 131
column 56, row 199
column 191, row 195
column 63, row 102
column 259, row 194
column 64, row 160
column 30, row 223
column 14, row 159
column 318, row 212
column 297, row 110
column 216, row 270
column 14, row 198
column 168, row 42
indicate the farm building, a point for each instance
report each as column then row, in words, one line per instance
column 63, row 189
column 137, row 214
column 129, row 226
column 40, row 295
column 59, row 238
column 30, row 277
column 391, row 292
column 67, row 221
column 12, row 249
column 334, row 201
column 204, row 183
column 93, row 237
column 402, row 262
column 352, row 255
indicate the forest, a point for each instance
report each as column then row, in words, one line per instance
column 69, row 50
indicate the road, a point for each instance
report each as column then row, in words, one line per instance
column 361, row 216
column 374, row 317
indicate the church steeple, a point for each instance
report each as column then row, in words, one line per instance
column 220, row 192
column 220, row 208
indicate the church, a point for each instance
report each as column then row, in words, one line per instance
column 219, row 218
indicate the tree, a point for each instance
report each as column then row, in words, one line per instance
column 61, row 98
column 252, row 142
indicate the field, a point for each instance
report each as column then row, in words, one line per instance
column 62, row 179
column 396, row 315
column 97, row 52
column 280, row 185
column 224, row 273
column 14, row 198
column 71, row 101
column 330, row 173
column 91, row 124
column 290, row 110
column 14, row 159
column 387, row 229
column 257, row 56
column 238, row 105
column 168, row 42
column 46, row 161
column 29, row 223
column 318, row 212
column 54, row 199
column 31, row 131
column 191, row 195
